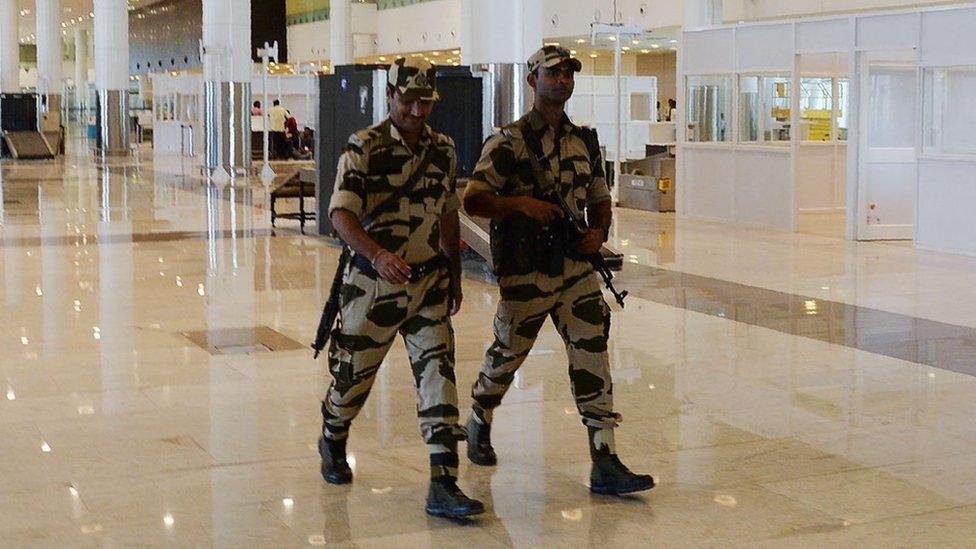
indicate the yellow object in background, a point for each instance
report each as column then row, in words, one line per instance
column 664, row 184
column 819, row 122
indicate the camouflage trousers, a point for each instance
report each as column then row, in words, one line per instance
column 581, row 316
column 373, row 312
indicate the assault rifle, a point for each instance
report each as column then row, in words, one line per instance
column 576, row 228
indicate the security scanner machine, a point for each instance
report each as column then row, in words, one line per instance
column 18, row 122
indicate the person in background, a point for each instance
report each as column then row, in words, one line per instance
column 256, row 109
column 276, row 126
column 291, row 131
column 307, row 140
column 672, row 110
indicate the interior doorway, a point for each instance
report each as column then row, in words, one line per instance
column 887, row 159
column 821, row 160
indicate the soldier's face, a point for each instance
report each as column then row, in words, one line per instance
column 554, row 84
column 409, row 114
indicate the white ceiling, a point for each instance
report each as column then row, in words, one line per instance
column 74, row 13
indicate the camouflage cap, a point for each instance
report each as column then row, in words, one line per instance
column 550, row 56
column 414, row 77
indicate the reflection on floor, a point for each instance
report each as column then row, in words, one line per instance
column 830, row 224
column 115, row 429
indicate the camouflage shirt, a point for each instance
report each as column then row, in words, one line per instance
column 505, row 167
column 377, row 161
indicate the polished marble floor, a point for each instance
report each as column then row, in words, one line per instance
column 786, row 389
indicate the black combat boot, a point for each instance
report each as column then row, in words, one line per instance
column 608, row 475
column 335, row 468
column 479, row 442
column 445, row 499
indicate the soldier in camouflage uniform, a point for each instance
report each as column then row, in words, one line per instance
column 404, row 277
column 544, row 149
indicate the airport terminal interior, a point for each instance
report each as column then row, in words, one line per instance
column 792, row 186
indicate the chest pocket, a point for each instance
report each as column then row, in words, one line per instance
column 430, row 195
column 581, row 179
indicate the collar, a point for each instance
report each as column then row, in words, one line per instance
column 395, row 135
column 539, row 125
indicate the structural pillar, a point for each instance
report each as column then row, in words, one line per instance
column 9, row 47
column 487, row 28
column 81, row 69
column 50, row 51
column 227, row 69
column 702, row 13
column 340, row 33
column 112, row 76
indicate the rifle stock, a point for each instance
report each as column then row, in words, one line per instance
column 331, row 310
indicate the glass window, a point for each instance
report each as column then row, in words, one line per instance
column 959, row 118
column 749, row 109
column 892, row 89
column 776, row 114
column 843, row 97
column 709, row 108
column 816, row 109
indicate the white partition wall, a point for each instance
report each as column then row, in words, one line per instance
column 593, row 103
column 947, row 158
column 874, row 113
column 736, row 165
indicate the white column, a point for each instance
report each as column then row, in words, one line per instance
column 702, row 13
column 9, row 47
column 112, row 75
column 81, row 67
column 50, row 47
column 227, row 68
column 487, row 28
column 340, row 33
column 50, row 51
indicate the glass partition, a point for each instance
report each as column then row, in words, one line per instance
column 816, row 109
column 843, row 97
column 709, row 109
column 949, row 110
column 749, row 109
column 776, row 114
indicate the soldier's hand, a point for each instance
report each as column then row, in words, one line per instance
column 539, row 210
column 393, row 269
column 591, row 242
column 456, row 299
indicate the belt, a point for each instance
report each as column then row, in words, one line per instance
column 417, row 270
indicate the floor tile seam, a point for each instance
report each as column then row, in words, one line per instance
column 878, row 469
column 787, row 292
column 806, row 337
column 247, row 463
column 892, row 518
column 136, row 239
